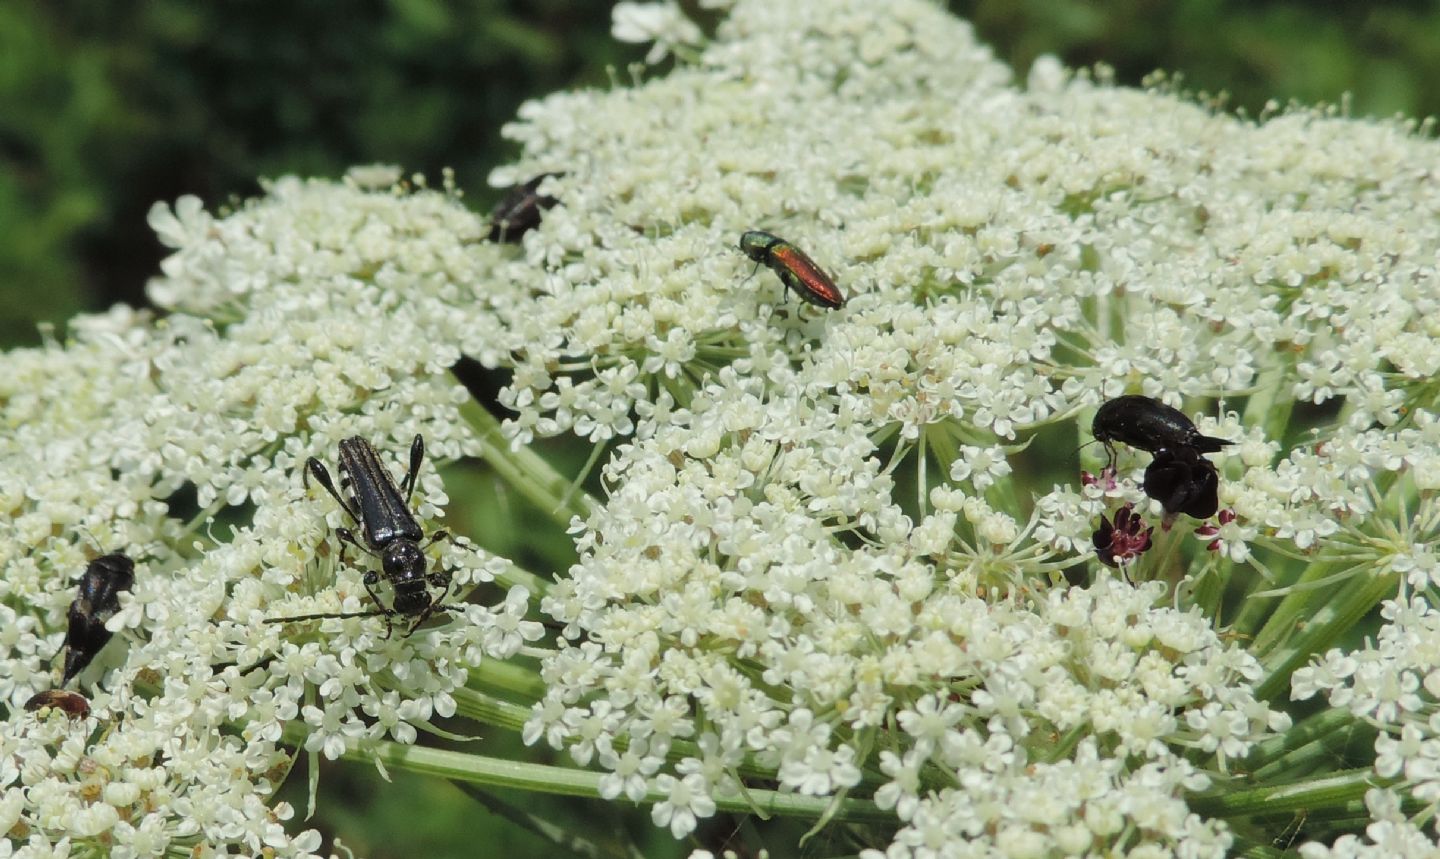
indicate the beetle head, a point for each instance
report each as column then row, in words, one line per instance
column 403, row 561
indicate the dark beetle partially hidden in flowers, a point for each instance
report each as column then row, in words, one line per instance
column 519, row 211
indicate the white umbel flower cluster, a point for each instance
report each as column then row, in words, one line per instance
column 766, row 587
column 845, row 557
column 1010, row 255
column 752, row 588
column 323, row 311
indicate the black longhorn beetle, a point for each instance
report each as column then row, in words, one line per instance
column 389, row 529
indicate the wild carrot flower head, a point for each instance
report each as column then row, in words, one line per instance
column 829, row 557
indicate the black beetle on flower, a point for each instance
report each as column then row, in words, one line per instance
column 388, row 531
column 520, row 210
column 1178, row 477
column 1149, row 425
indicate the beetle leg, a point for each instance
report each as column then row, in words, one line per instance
column 341, row 615
column 417, row 455
column 317, row 468
column 440, row 579
column 371, row 579
column 752, row 273
column 348, row 536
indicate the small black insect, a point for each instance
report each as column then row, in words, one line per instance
column 1183, row 481
column 1148, row 425
column 519, row 211
column 390, row 532
column 75, row 705
column 97, row 601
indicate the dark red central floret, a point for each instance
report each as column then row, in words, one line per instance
column 1124, row 540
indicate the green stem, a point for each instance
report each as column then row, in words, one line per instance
column 1315, row 755
column 513, row 575
column 942, row 442
column 488, row 710
column 1209, row 590
column 1300, row 736
column 1162, row 557
column 1266, row 407
column 191, row 529
column 1300, row 602
column 498, row 772
column 1326, row 626
column 1329, row 792
column 1260, row 851
column 526, row 471
column 1065, row 746
column 502, row 676
column 922, row 454
column 1251, row 614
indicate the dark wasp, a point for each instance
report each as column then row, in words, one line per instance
column 97, row 601
column 389, row 529
column 794, row 268
column 1183, row 481
column 519, row 211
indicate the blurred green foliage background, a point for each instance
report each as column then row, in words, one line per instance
column 108, row 107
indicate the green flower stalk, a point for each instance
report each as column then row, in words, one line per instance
column 844, row 567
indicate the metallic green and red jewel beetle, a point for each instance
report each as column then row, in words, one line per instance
column 796, row 270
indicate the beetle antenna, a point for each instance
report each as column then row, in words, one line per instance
column 341, row 615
